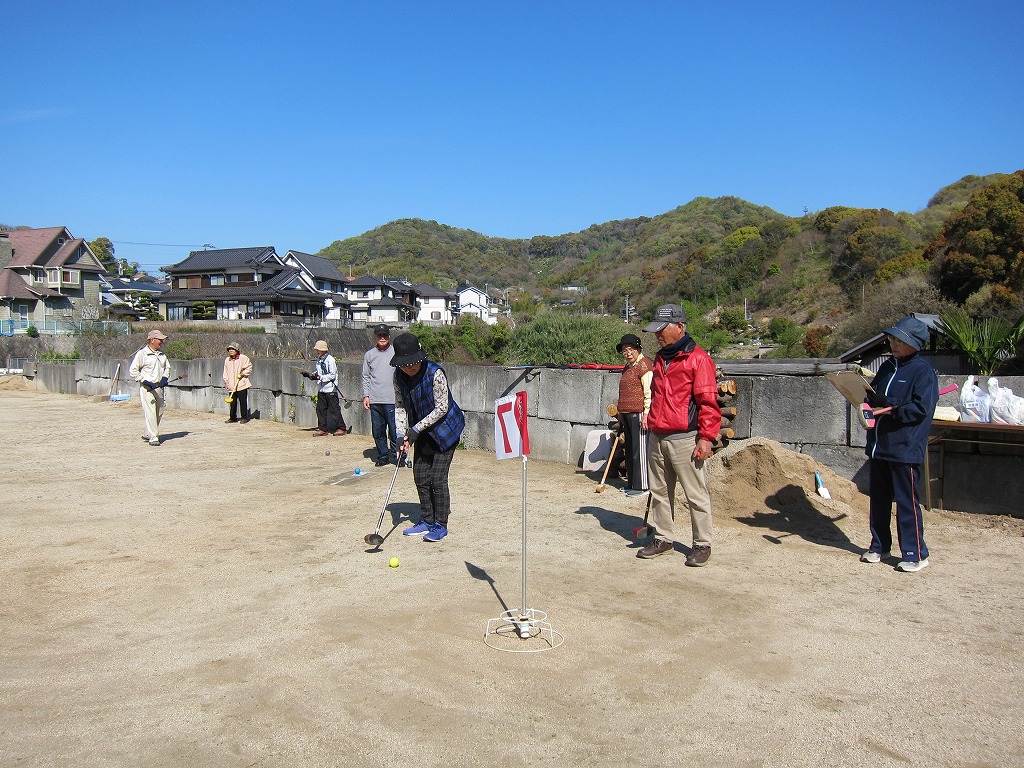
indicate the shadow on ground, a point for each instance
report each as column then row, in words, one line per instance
column 793, row 514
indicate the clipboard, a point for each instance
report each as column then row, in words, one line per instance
column 851, row 385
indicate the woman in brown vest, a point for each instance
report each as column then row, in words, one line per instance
column 634, row 402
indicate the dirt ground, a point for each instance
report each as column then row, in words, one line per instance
column 211, row 603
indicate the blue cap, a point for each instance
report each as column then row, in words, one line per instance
column 910, row 331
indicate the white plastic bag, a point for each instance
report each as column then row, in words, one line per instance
column 1007, row 408
column 975, row 404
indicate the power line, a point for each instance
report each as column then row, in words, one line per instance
column 163, row 245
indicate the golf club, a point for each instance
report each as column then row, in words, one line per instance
column 231, row 398
column 640, row 529
column 608, row 465
column 375, row 539
column 178, row 378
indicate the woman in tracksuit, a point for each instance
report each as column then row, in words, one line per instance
column 426, row 416
column 905, row 392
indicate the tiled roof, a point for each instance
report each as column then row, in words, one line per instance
column 425, row 289
column 223, row 258
column 367, row 281
column 13, row 286
column 319, row 266
column 67, row 251
column 29, row 244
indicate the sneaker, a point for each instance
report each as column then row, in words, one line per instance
column 873, row 557
column 154, row 442
column 145, row 438
column 417, row 530
column 912, row 566
column 339, row 433
column 437, row 532
column 698, row 556
column 632, row 492
column 659, row 547
column 382, row 462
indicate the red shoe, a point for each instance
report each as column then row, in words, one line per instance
column 318, row 433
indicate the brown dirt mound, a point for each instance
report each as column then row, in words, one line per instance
column 761, row 484
column 12, row 383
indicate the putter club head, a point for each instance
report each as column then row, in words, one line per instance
column 642, row 531
column 373, row 539
column 229, row 400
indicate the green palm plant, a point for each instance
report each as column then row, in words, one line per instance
column 989, row 342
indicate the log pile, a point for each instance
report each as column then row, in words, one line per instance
column 727, row 402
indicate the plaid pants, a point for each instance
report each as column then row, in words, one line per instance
column 430, row 473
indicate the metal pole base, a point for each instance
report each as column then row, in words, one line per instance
column 522, row 631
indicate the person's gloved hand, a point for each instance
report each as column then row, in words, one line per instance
column 148, row 385
column 878, row 400
column 239, row 377
column 315, row 376
column 163, row 382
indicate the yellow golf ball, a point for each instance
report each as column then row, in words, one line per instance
column 393, row 562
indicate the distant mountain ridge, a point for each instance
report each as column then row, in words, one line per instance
column 722, row 250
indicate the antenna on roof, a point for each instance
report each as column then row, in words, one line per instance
column 207, row 246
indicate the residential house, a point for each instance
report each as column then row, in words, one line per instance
column 377, row 300
column 243, row 283
column 49, row 279
column 434, row 306
column 327, row 279
column 121, row 295
column 473, row 301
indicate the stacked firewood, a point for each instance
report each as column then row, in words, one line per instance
column 727, row 402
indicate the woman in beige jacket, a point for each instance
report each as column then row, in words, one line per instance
column 237, row 370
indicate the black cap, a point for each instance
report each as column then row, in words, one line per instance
column 629, row 340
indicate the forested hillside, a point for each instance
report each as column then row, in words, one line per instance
column 825, row 268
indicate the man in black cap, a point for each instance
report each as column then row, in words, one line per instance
column 633, row 404
column 379, row 395
column 903, row 398
column 683, row 422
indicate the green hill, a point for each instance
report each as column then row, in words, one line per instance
column 714, row 252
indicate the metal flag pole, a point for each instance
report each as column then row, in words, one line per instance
column 524, row 624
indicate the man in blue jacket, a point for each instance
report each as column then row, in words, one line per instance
column 905, row 392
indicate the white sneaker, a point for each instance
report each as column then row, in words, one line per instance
column 912, row 566
column 873, row 557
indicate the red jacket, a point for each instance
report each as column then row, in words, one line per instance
column 684, row 392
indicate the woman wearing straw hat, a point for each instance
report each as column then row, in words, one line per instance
column 328, row 407
column 237, row 370
column 427, row 416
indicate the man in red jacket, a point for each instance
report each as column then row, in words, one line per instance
column 684, row 406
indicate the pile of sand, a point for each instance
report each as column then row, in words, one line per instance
column 13, row 383
column 757, row 482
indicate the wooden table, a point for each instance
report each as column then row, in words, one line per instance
column 966, row 432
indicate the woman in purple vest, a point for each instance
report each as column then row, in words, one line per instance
column 427, row 417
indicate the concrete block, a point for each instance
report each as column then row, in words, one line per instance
column 501, row 382
column 790, row 409
column 571, row 395
column 550, row 441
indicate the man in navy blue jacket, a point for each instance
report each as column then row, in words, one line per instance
column 903, row 401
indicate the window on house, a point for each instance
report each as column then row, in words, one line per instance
column 290, row 308
column 51, row 276
column 216, row 279
column 364, row 294
column 69, row 276
column 177, row 312
column 259, row 307
column 231, row 278
column 435, row 315
column 227, row 310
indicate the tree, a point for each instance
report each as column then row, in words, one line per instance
column 989, row 342
column 983, row 243
column 104, row 251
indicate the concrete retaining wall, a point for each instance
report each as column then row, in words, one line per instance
column 804, row 413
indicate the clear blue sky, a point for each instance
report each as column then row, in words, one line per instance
column 297, row 124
